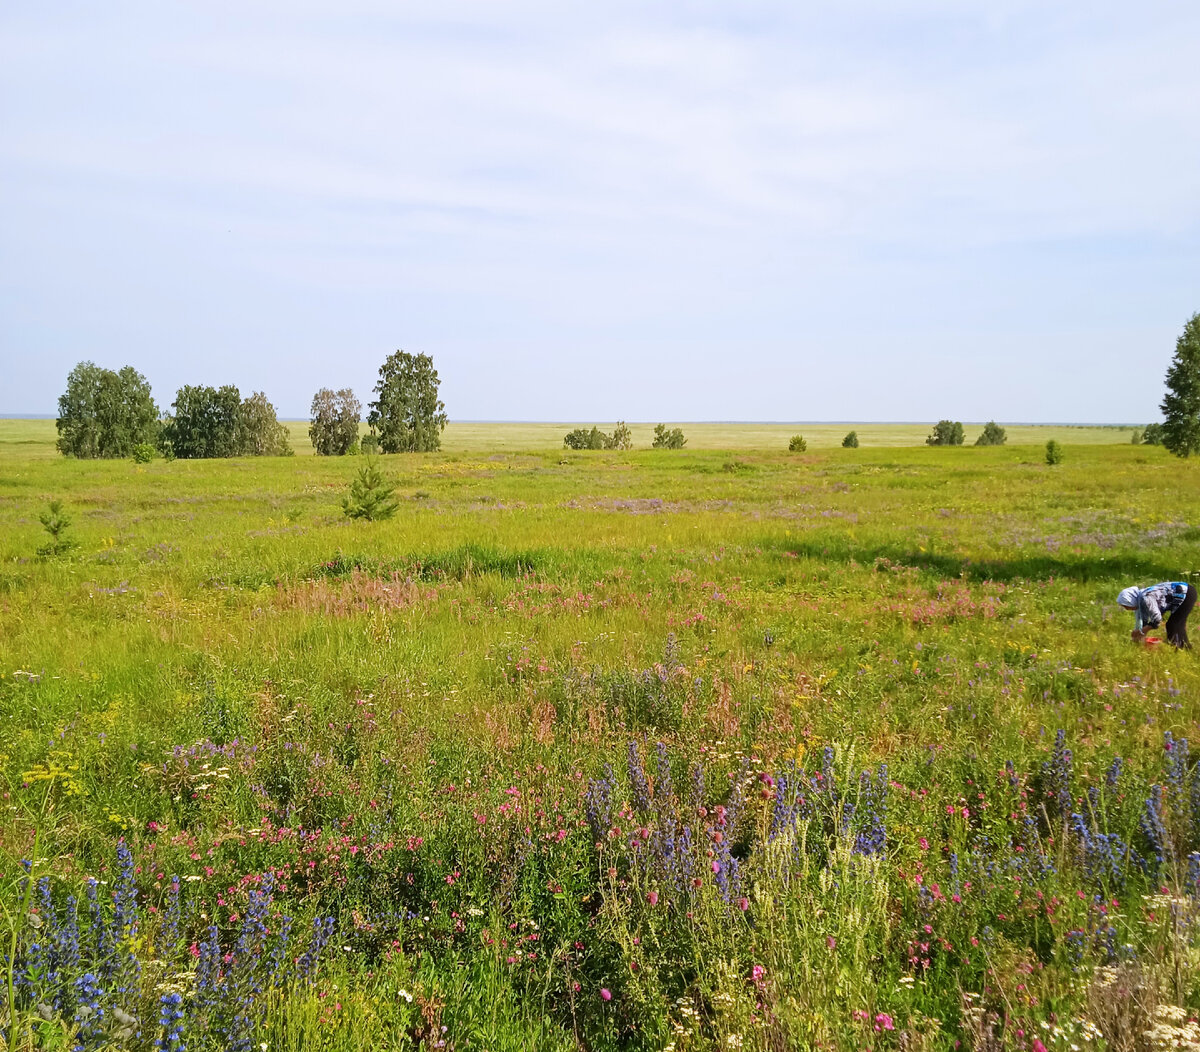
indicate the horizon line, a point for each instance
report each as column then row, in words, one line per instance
column 649, row 423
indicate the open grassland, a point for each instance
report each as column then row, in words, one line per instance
column 653, row 750
column 28, row 439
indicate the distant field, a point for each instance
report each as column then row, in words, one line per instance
column 35, row 438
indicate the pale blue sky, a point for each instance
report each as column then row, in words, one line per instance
column 747, row 210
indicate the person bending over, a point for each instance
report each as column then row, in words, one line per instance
column 1173, row 598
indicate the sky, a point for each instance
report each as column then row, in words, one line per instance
column 684, row 210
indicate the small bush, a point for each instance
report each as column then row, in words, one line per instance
column 850, row 441
column 992, row 435
column 1136, row 437
column 622, row 437
column 55, row 522
column 1054, row 453
column 946, row 433
column 144, row 452
column 1153, row 435
column 582, row 438
column 797, row 444
column 371, row 494
column 668, row 439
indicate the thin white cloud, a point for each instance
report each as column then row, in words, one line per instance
column 681, row 171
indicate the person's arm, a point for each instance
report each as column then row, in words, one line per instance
column 1148, row 616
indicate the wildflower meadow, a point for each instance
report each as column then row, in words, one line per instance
column 688, row 749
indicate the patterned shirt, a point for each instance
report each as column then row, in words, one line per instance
column 1158, row 600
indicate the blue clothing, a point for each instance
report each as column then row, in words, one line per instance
column 1155, row 602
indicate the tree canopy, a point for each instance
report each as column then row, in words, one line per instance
column 104, row 413
column 946, row 433
column 1181, row 404
column 334, row 417
column 992, row 435
column 215, row 422
column 407, row 413
column 260, row 434
column 665, row 438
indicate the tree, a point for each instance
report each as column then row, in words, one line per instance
column 1054, row 453
column 55, row 522
column 992, row 435
column 370, row 495
column 334, row 421
column 1136, row 437
column 850, row 441
column 672, row 439
column 1181, row 404
column 259, row 432
column 104, row 413
column 407, row 413
column 205, row 422
column 1153, row 435
column 946, row 433
column 797, row 444
column 621, row 438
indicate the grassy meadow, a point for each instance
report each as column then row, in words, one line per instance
column 720, row 748
column 27, row 439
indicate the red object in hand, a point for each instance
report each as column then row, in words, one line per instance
column 1152, row 641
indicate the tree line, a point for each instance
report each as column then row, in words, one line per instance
column 112, row 413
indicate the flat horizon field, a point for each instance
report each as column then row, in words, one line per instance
column 687, row 750
column 35, row 437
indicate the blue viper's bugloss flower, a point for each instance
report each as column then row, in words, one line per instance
column 664, row 789
column 872, row 838
column 1153, row 828
column 322, row 931
column 598, row 804
column 1177, row 764
column 638, row 784
column 89, row 1015
column 170, row 1021
column 1114, row 773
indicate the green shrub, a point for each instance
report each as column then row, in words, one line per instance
column 672, row 439
column 371, row 494
column 582, row 438
column 850, row 441
column 1054, row 452
column 1153, row 435
column 144, row 452
column 992, row 435
column 55, row 522
column 797, row 444
column 946, row 433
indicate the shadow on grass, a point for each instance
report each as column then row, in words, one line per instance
column 471, row 560
column 1125, row 567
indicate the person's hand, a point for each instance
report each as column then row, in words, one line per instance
column 1137, row 636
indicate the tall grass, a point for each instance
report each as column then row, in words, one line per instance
column 633, row 751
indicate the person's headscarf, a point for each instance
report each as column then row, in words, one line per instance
column 1130, row 597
